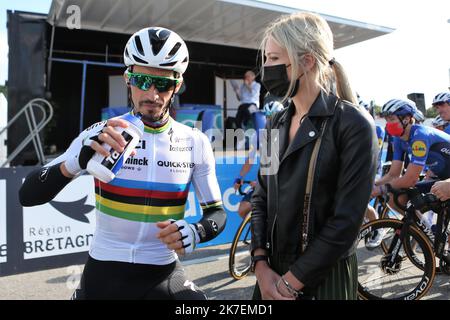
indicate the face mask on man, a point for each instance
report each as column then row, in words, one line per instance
column 395, row 129
column 276, row 81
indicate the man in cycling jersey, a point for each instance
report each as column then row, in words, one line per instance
column 425, row 145
column 442, row 104
column 440, row 123
column 139, row 215
column 271, row 106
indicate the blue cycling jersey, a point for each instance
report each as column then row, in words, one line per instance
column 426, row 146
column 380, row 135
column 447, row 129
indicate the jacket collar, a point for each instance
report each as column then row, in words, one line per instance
column 323, row 106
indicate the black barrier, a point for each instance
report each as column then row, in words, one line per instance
column 15, row 248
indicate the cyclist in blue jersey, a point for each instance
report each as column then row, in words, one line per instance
column 440, row 123
column 442, row 104
column 270, row 108
column 140, row 226
column 426, row 146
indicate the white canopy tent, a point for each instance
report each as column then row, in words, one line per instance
column 226, row 22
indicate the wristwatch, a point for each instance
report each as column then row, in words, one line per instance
column 256, row 259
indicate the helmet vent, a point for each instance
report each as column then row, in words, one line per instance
column 158, row 38
column 168, row 64
column 137, row 41
column 137, row 59
column 174, row 50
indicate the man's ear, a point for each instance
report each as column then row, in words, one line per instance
column 178, row 86
column 125, row 77
column 407, row 120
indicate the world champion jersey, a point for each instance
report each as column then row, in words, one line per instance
column 426, row 146
column 150, row 187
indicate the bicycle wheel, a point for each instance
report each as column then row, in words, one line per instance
column 383, row 276
column 240, row 260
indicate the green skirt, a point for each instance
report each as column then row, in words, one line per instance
column 340, row 284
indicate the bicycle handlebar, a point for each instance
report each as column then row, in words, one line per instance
column 420, row 201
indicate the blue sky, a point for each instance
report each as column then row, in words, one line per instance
column 414, row 58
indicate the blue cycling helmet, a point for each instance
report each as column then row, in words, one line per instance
column 443, row 97
column 399, row 108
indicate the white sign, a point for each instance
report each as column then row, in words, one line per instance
column 2, row 221
column 64, row 225
column 3, row 122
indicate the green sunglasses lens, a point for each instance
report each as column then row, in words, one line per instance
column 144, row 82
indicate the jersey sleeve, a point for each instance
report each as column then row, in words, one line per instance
column 397, row 149
column 380, row 136
column 420, row 146
column 204, row 176
column 77, row 143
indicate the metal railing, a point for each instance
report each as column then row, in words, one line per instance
column 35, row 128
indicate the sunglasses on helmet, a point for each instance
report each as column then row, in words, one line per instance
column 145, row 81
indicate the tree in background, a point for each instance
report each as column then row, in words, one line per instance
column 431, row 113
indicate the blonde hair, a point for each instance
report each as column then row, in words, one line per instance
column 308, row 33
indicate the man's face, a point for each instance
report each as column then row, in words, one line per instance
column 444, row 110
column 249, row 77
column 392, row 119
column 152, row 104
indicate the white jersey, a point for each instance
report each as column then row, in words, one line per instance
column 152, row 186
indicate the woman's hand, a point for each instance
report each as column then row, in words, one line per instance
column 267, row 281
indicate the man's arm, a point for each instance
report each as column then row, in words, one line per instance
column 43, row 184
column 394, row 173
column 182, row 236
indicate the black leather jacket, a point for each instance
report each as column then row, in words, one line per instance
column 343, row 180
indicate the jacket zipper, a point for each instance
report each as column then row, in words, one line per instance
column 268, row 245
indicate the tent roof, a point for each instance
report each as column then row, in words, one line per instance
column 227, row 22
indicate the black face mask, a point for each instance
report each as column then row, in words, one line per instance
column 276, row 81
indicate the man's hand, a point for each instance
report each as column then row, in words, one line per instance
column 375, row 192
column 178, row 235
column 93, row 143
column 237, row 183
column 113, row 138
column 441, row 189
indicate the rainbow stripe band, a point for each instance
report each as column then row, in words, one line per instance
column 139, row 204
column 209, row 205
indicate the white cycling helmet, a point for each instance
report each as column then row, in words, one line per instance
column 438, row 121
column 441, row 98
column 272, row 107
column 419, row 116
column 363, row 104
column 157, row 48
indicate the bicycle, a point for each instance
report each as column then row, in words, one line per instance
column 239, row 262
column 404, row 265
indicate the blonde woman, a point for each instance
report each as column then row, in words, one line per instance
column 304, row 246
